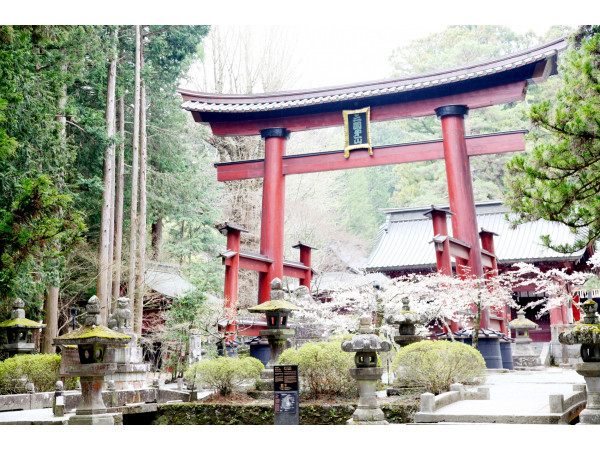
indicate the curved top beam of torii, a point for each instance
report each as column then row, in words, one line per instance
column 497, row 81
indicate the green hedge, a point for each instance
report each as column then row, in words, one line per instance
column 224, row 374
column 324, row 368
column 435, row 365
column 41, row 370
column 225, row 414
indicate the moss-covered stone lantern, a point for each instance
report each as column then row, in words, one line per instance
column 587, row 333
column 22, row 334
column 92, row 340
column 277, row 310
column 366, row 345
column 407, row 321
column 524, row 355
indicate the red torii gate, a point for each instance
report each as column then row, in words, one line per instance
column 448, row 94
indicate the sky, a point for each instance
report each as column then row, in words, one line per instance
column 335, row 42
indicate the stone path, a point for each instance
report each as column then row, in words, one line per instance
column 515, row 397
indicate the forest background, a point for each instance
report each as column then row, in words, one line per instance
column 58, row 124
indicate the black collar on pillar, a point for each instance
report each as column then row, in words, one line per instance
column 452, row 110
column 274, row 132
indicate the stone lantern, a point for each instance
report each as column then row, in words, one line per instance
column 277, row 333
column 587, row 333
column 406, row 321
column 92, row 341
column 22, row 334
column 366, row 345
column 524, row 355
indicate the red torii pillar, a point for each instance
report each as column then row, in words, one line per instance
column 233, row 233
column 443, row 257
column 305, row 255
column 487, row 243
column 460, row 187
column 271, row 228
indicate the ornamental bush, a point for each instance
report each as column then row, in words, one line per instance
column 223, row 374
column 436, row 365
column 323, row 368
column 41, row 370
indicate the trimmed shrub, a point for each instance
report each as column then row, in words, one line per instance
column 223, row 374
column 436, row 365
column 41, row 370
column 323, row 367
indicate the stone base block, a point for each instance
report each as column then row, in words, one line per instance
column 125, row 355
column 97, row 419
column 368, row 415
column 264, row 385
column 526, row 361
column 266, row 380
column 261, row 394
column 589, row 417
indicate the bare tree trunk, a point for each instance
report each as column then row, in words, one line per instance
column 181, row 236
column 111, row 302
column 139, row 304
column 53, row 288
column 118, row 242
column 134, row 170
column 108, row 175
column 157, row 228
column 51, row 329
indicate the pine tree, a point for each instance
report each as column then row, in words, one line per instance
column 560, row 180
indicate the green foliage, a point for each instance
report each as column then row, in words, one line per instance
column 232, row 414
column 438, row 364
column 560, row 180
column 323, row 366
column 38, row 217
column 41, row 370
column 225, row 374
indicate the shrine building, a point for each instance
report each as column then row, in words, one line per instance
column 406, row 244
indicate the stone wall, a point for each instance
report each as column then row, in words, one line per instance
column 226, row 414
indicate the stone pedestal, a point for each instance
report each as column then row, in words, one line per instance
column 367, row 411
column 130, row 373
column 277, row 339
column 590, row 371
column 91, row 409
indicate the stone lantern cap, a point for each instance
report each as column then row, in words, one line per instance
column 521, row 323
column 17, row 317
column 586, row 331
column 93, row 332
column 405, row 316
column 365, row 340
column 273, row 306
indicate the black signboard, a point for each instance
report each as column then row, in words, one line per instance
column 285, row 378
column 285, row 387
column 357, row 128
column 286, row 402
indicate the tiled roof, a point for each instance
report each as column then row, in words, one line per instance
column 167, row 283
column 404, row 240
column 233, row 103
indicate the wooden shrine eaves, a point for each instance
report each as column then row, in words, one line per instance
column 498, row 81
column 511, row 141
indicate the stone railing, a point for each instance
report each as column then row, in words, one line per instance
column 560, row 404
column 112, row 399
column 431, row 403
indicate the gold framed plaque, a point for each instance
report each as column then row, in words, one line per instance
column 357, row 128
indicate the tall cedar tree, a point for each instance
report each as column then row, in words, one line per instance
column 560, row 180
